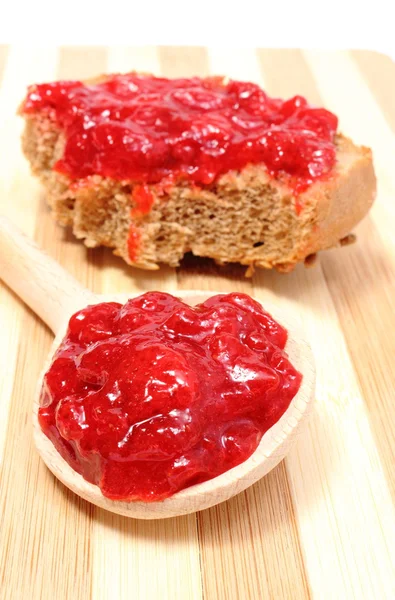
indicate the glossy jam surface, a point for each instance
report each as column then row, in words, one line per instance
column 154, row 396
column 143, row 128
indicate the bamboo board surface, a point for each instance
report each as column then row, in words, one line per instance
column 321, row 525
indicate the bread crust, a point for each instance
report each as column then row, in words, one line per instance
column 246, row 216
column 344, row 200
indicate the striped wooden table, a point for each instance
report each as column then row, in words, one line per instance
column 321, row 525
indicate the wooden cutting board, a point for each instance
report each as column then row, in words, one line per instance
column 321, row 525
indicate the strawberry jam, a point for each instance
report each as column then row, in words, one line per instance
column 143, row 129
column 151, row 397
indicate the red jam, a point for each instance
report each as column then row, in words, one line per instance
column 142, row 128
column 154, row 396
column 143, row 199
column 133, row 242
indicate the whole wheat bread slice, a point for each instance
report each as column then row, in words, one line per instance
column 246, row 217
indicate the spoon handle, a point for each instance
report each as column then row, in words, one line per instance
column 51, row 292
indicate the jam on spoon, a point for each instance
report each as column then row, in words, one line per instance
column 148, row 398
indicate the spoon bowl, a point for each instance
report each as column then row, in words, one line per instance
column 54, row 295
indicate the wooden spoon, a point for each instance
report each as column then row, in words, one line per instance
column 54, row 295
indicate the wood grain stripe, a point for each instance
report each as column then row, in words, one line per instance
column 343, row 281
column 343, row 89
column 10, row 309
column 3, row 59
column 197, row 273
column 38, row 563
column 183, row 61
column 368, row 297
column 145, row 559
column 337, row 479
column 85, row 265
column 236, row 63
column 20, row 70
column 18, row 199
column 378, row 71
column 41, row 520
column 249, row 546
column 341, row 421
column 144, row 59
column 286, row 74
column 81, row 62
column 369, row 336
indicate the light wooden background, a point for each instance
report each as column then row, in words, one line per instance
column 321, row 525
